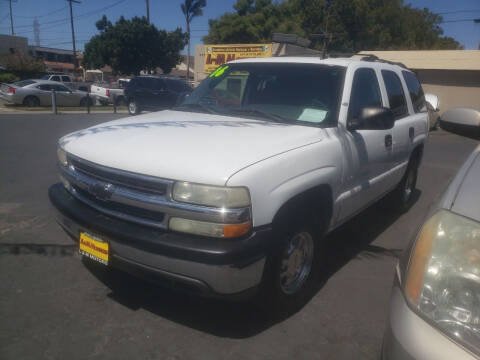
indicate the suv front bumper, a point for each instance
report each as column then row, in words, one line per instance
column 208, row 266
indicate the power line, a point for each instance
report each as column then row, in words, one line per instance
column 461, row 20
column 43, row 15
column 86, row 14
column 458, row 11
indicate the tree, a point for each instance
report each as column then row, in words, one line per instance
column 191, row 9
column 23, row 65
column 130, row 46
column 356, row 24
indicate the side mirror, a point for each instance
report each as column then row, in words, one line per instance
column 433, row 101
column 462, row 121
column 373, row 118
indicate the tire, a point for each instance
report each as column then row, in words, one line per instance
column 31, row 101
column 133, row 108
column 402, row 197
column 292, row 270
column 120, row 101
column 83, row 102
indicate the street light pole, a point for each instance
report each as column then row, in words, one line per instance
column 75, row 64
column 148, row 11
column 11, row 17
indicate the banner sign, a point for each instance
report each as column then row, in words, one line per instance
column 216, row 55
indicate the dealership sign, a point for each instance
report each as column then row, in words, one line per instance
column 216, row 55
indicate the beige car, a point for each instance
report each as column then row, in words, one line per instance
column 39, row 93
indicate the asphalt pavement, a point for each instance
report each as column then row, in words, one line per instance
column 53, row 305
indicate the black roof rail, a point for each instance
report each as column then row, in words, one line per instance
column 375, row 58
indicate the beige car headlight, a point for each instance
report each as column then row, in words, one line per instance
column 62, row 156
column 443, row 277
column 216, row 196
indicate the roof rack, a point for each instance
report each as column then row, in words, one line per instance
column 374, row 58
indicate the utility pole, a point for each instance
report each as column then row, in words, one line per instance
column 75, row 63
column 11, row 16
column 148, row 11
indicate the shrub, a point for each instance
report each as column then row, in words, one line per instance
column 8, row 78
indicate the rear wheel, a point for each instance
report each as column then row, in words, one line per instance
column 402, row 196
column 31, row 101
column 133, row 108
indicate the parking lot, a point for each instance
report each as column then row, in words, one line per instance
column 53, row 305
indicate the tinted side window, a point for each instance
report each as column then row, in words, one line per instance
column 415, row 90
column 65, row 79
column 396, row 96
column 61, row 88
column 55, row 78
column 45, row 87
column 157, row 84
column 365, row 92
column 177, row 85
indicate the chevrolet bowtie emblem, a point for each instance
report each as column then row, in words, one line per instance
column 102, row 191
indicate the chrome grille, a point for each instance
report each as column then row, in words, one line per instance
column 137, row 198
column 113, row 176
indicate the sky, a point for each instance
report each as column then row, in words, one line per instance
column 54, row 18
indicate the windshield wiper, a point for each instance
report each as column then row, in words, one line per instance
column 261, row 114
column 196, row 106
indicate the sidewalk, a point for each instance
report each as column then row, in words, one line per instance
column 9, row 109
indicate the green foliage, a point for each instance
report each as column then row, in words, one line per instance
column 355, row 24
column 23, row 65
column 130, row 46
column 192, row 8
column 8, row 78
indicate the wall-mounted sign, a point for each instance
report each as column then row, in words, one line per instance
column 216, row 55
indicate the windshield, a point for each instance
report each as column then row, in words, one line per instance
column 297, row 93
column 45, row 77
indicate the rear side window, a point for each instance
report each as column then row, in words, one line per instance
column 24, row 83
column 415, row 90
column 157, row 84
column 65, row 79
column 177, row 85
column 396, row 96
column 365, row 92
column 45, row 87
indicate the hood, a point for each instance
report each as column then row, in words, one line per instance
column 187, row 146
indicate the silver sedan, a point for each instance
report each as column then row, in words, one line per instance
column 39, row 93
column 435, row 303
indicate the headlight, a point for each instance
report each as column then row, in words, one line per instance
column 217, row 196
column 62, row 156
column 443, row 277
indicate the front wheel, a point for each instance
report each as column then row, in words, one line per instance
column 292, row 270
column 133, row 108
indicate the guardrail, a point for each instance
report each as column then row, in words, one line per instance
column 88, row 103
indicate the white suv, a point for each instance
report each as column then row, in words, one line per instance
column 232, row 192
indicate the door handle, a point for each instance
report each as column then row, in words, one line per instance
column 388, row 141
column 411, row 133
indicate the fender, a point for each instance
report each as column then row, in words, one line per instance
column 276, row 180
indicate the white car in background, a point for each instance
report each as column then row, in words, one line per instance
column 34, row 93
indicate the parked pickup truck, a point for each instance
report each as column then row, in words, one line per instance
column 232, row 192
column 67, row 80
column 108, row 93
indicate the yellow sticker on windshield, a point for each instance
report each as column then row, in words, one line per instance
column 219, row 71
